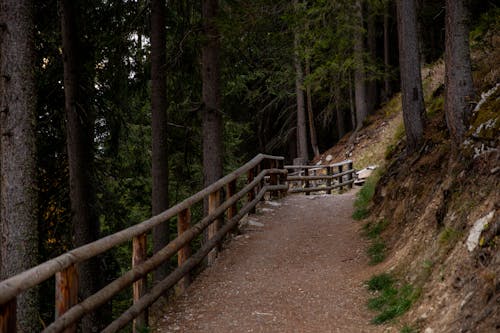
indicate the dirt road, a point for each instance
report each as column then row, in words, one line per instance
column 299, row 266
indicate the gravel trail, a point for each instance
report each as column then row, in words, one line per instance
column 299, row 266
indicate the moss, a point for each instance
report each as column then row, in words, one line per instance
column 436, row 106
column 485, row 123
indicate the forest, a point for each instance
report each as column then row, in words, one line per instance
column 113, row 111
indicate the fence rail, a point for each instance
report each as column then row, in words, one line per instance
column 319, row 178
column 264, row 173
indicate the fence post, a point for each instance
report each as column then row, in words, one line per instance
column 213, row 203
column 282, row 177
column 251, row 193
column 349, row 177
column 183, row 224
column 66, row 293
column 233, row 210
column 8, row 317
column 139, row 254
column 329, row 172
column 340, row 178
column 273, row 178
column 306, row 173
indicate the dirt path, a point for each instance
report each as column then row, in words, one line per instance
column 299, row 268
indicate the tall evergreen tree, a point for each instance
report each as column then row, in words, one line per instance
column 302, row 151
column 212, row 115
column 411, row 80
column 80, row 119
column 360, row 94
column 459, row 88
column 159, row 126
column 18, row 206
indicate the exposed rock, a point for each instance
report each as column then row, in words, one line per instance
column 477, row 229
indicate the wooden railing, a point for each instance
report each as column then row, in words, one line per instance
column 264, row 173
column 318, row 178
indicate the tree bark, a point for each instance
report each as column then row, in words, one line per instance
column 338, row 111
column 310, row 113
column 411, row 80
column 212, row 115
column 80, row 138
column 359, row 72
column 371, row 85
column 387, row 61
column 18, row 203
column 302, row 151
column 459, row 88
column 159, row 120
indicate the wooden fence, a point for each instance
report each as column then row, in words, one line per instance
column 319, row 178
column 264, row 173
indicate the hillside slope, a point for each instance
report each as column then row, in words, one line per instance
column 441, row 215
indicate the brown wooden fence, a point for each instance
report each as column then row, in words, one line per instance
column 264, row 173
column 320, row 178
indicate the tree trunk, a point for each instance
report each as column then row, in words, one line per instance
column 387, row 61
column 359, row 72
column 159, row 128
column 310, row 113
column 371, row 85
column 302, row 151
column 80, row 131
column 339, row 113
column 459, row 88
column 18, row 220
column 212, row 115
column 411, row 80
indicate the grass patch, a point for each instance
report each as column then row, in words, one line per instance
column 364, row 197
column 391, row 301
column 449, row 236
column 372, row 230
column 408, row 329
column 376, row 251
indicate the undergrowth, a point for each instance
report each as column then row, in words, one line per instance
column 364, row 197
column 391, row 300
column 377, row 250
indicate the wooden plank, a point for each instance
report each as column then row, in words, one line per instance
column 183, row 224
column 319, row 189
column 306, row 171
column 251, row 193
column 233, row 209
column 350, row 177
column 8, row 316
column 213, row 203
column 340, row 172
column 273, row 180
column 66, row 293
column 329, row 172
column 139, row 288
column 13, row 286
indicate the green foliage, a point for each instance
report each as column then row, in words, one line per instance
column 408, row 329
column 364, row 197
column 449, row 236
column 376, row 251
column 391, row 300
column 380, row 282
column 373, row 230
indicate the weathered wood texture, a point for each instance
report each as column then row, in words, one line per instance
column 10, row 288
column 66, row 293
column 139, row 288
column 306, row 177
column 183, row 224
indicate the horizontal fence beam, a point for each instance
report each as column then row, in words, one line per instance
column 180, row 272
column 318, row 189
column 13, row 286
column 141, row 270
